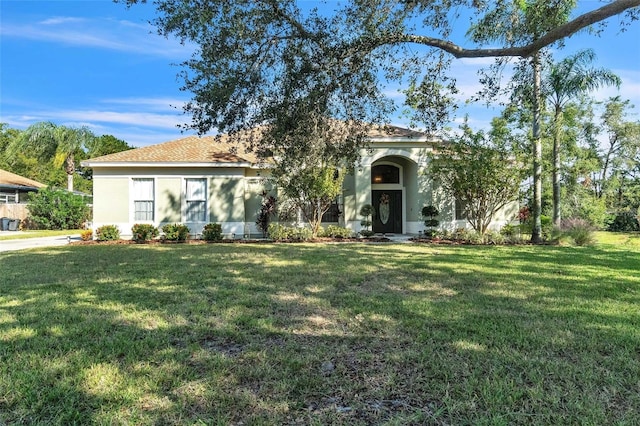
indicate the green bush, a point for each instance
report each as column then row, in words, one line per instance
column 212, row 232
column 108, row 233
column 144, row 232
column 366, row 233
column 175, row 232
column 624, row 222
column 509, row 230
column 300, row 234
column 334, row 231
column 469, row 236
column 279, row 232
column 579, row 230
column 57, row 209
column 546, row 226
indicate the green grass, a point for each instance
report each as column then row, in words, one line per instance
column 37, row 234
column 320, row 334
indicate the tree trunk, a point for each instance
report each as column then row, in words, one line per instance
column 537, row 152
column 556, row 166
column 70, row 168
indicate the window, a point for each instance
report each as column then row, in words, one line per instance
column 333, row 214
column 196, row 199
column 143, row 198
column 385, row 173
column 461, row 207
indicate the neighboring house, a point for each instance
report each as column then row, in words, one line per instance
column 197, row 180
column 14, row 190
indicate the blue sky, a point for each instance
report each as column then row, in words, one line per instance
column 98, row 64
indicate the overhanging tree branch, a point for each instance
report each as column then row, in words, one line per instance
column 552, row 36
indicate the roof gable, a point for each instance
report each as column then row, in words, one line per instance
column 11, row 179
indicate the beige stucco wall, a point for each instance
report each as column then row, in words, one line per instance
column 169, row 199
column 226, row 199
column 110, row 199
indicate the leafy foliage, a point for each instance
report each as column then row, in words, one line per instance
column 51, row 153
column 268, row 209
column 366, row 211
column 108, row 233
column 144, row 232
column 312, row 188
column 175, row 232
column 57, row 209
column 212, row 232
column 334, row 231
column 297, row 69
column 278, row 232
column 480, row 173
column 430, row 212
column 624, row 222
column 86, row 234
column 579, row 230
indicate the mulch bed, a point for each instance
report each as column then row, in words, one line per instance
column 236, row 241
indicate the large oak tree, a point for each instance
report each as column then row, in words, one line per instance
column 291, row 66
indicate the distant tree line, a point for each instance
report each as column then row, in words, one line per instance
column 51, row 153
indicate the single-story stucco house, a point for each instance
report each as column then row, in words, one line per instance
column 197, row 180
column 14, row 190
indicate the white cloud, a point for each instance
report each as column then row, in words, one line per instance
column 156, row 104
column 59, row 20
column 107, row 34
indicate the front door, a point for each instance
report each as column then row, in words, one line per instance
column 387, row 205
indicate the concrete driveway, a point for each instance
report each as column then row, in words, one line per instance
column 29, row 243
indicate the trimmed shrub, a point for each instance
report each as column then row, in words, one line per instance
column 175, row 232
column 334, row 231
column 108, row 233
column 57, row 209
column 212, row 232
column 300, row 234
column 144, row 232
column 86, row 234
column 366, row 233
column 279, row 232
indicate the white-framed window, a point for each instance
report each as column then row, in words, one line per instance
column 143, row 199
column 196, row 200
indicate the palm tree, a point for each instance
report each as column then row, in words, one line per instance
column 47, row 140
column 565, row 81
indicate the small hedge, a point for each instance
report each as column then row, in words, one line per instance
column 212, row 232
column 108, row 233
column 143, row 232
column 334, row 231
column 86, row 235
column 175, row 232
column 279, row 232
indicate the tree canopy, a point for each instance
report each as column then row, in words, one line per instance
column 258, row 61
column 51, row 153
column 480, row 171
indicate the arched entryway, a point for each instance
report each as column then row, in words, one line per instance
column 387, row 197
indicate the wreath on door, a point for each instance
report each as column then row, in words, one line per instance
column 383, row 208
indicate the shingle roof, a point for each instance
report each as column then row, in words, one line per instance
column 212, row 149
column 190, row 149
column 12, row 179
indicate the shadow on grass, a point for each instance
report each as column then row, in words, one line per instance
column 332, row 334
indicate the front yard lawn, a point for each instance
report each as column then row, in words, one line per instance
column 320, row 334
